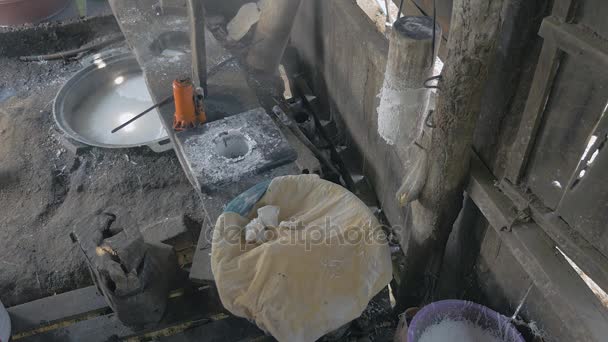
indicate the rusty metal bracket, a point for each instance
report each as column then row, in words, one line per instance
column 520, row 202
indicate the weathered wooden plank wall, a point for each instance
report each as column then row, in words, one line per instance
column 564, row 126
column 346, row 57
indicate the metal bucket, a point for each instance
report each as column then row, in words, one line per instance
column 107, row 92
column 18, row 12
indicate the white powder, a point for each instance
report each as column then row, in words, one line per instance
column 268, row 216
column 461, row 331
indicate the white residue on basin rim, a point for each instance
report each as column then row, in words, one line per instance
column 113, row 105
column 461, row 331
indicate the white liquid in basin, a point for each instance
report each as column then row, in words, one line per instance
column 461, row 331
column 111, row 106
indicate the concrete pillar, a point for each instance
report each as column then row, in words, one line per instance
column 272, row 34
column 403, row 98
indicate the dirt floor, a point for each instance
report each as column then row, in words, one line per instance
column 45, row 189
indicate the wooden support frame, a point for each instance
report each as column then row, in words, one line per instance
column 546, row 69
column 196, row 15
column 561, row 38
column 474, row 27
column 575, row 41
column 562, row 288
column 47, row 311
column 586, row 256
column 540, row 90
column 83, row 315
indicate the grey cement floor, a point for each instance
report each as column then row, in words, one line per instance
column 45, row 189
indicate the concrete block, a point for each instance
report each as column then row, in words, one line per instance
column 133, row 276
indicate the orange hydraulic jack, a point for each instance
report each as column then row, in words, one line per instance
column 189, row 109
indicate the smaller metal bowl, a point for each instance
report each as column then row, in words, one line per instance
column 104, row 94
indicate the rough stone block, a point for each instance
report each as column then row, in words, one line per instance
column 133, row 276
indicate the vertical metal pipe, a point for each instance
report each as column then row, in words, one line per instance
column 388, row 12
column 196, row 14
column 272, row 34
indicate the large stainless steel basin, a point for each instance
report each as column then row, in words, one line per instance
column 101, row 96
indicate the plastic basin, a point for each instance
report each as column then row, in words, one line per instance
column 460, row 310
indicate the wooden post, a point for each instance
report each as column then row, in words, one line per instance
column 471, row 47
column 272, row 34
column 409, row 63
column 196, row 14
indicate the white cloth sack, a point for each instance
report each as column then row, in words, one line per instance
column 309, row 280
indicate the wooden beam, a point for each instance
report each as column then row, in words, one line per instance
column 585, row 255
column 187, row 308
column 196, row 15
column 546, row 69
column 471, row 46
column 563, row 9
column 567, row 294
column 575, row 41
column 272, row 34
column 200, row 272
column 65, row 306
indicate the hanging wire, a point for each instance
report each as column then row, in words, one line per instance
column 437, row 78
column 434, row 33
column 430, row 79
column 388, row 11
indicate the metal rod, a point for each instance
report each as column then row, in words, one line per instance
column 196, row 14
column 161, row 103
column 303, row 89
column 293, row 127
column 434, row 32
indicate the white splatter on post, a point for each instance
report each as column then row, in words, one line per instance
column 247, row 16
column 403, row 98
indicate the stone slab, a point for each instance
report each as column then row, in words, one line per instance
column 223, row 152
